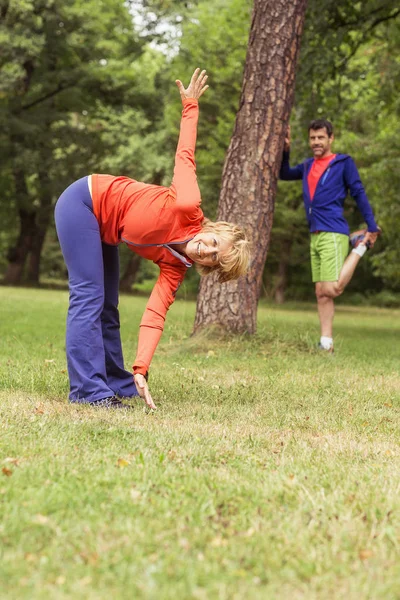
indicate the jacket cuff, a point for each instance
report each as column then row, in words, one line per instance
column 141, row 371
column 189, row 101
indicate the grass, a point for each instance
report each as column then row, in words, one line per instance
column 268, row 471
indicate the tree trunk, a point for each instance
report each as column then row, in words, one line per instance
column 130, row 273
column 42, row 223
column 281, row 283
column 33, row 267
column 17, row 254
column 253, row 159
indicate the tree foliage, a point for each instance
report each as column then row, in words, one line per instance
column 69, row 98
column 84, row 87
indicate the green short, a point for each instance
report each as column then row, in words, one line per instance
column 328, row 252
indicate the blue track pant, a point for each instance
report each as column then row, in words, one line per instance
column 93, row 343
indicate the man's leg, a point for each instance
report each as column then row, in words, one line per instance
column 118, row 379
column 333, row 249
column 326, row 311
column 332, row 289
column 326, row 308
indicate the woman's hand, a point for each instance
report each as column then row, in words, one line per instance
column 196, row 88
column 143, row 390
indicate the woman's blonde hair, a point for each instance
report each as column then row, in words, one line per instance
column 235, row 261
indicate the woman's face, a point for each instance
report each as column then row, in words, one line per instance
column 207, row 249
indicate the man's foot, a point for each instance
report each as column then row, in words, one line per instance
column 356, row 238
column 328, row 350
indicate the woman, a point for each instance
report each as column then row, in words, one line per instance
column 165, row 225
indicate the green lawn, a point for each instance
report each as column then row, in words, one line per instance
column 269, row 470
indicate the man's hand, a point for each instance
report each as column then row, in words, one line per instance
column 143, row 390
column 196, row 88
column 370, row 238
column 286, row 146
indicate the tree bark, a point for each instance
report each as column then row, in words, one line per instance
column 252, row 164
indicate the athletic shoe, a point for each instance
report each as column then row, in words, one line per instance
column 357, row 237
column 328, row 350
column 111, row 402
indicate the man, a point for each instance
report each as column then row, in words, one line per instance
column 327, row 178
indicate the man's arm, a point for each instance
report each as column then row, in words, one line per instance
column 356, row 188
column 288, row 173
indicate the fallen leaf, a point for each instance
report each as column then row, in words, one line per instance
column 29, row 557
column 90, row 558
column 60, row 580
column 12, row 460
column 389, row 404
column 365, row 554
column 7, row 472
column 49, row 360
column 122, row 463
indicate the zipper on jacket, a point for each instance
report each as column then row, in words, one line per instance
column 325, row 175
column 173, row 252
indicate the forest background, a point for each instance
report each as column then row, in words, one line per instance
column 88, row 86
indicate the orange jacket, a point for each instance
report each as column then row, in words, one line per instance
column 148, row 218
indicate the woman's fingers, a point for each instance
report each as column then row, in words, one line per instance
column 180, row 88
column 149, row 400
column 194, row 77
column 196, row 87
column 203, row 90
column 143, row 390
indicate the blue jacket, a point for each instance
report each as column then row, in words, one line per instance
column 325, row 211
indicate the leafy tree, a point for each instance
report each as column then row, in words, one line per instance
column 62, row 61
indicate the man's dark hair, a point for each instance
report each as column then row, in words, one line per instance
column 321, row 124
